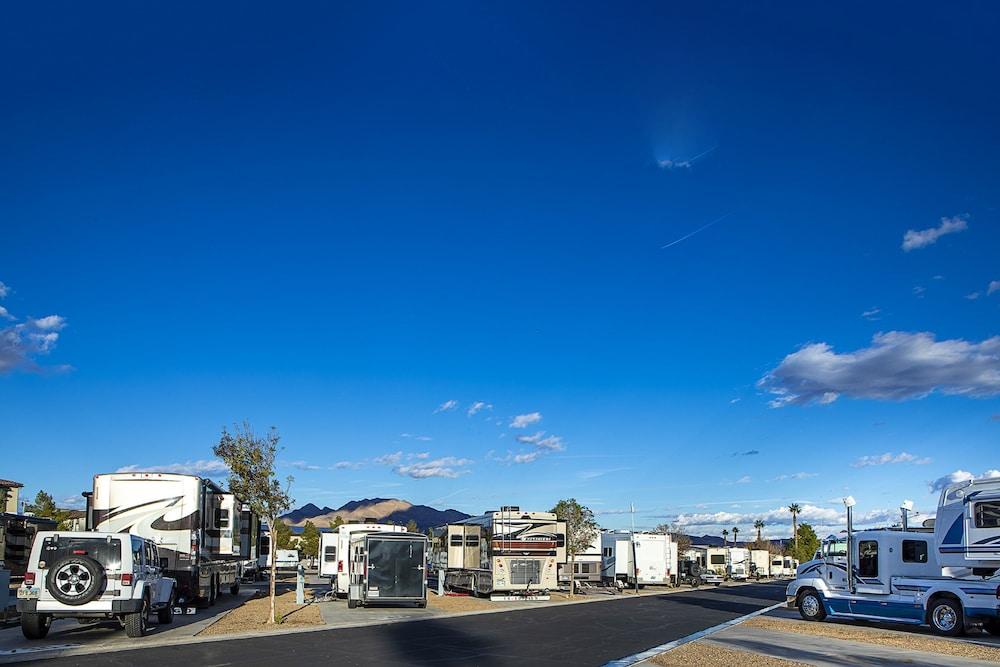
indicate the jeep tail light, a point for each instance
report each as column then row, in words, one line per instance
column 29, row 580
column 126, row 579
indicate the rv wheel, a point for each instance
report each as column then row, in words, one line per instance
column 946, row 618
column 811, row 606
column 351, row 603
column 235, row 588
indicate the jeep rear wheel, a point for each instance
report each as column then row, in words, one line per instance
column 35, row 626
column 136, row 623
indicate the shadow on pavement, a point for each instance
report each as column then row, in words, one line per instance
column 431, row 641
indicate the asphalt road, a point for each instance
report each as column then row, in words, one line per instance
column 583, row 634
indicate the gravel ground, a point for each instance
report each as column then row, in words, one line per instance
column 698, row 653
column 251, row 616
column 894, row 638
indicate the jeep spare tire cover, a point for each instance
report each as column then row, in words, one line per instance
column 75, row 580
column 695, row 569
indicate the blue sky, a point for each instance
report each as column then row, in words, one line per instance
column 339, row 218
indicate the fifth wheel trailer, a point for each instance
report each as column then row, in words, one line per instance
column 194, row 523
column 501, row 553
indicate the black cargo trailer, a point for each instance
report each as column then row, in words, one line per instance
column 388, row 568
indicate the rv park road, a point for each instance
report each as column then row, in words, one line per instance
column 582, row 634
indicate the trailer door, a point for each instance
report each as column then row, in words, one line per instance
column 395, row 568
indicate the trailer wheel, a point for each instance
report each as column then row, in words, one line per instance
column 235, row 588
column 945, row 617
column 811, row 606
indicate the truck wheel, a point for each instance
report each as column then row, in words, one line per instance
column 235, row 588
column 135, row 623
column 35, row 626
column 945, row 618
column 165, row 616
column 811, row 606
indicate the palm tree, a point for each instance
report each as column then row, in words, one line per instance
column 725, row 537
column 759, row 525
column 794, row 508
column 736, row 531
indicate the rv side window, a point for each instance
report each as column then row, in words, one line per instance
column 607, row 552
column 868, row 558
column 456, row 540
column 914, row 551
column 472, row 540
column 988, row 515
column 222, row 518
column 718, row 559
column 330, row 554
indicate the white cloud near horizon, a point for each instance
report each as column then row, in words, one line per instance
column 204, row 467
column 889, row 459
column 897, row 366
column 914, row 240
column 941, row 483
column 525, row 420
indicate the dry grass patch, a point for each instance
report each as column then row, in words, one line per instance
column 453, row 604
column 881, row 636
column 698, row 653
column 252, row 616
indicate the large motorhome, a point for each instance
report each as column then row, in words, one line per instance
column 586, row 564
column 334, row 550
column 503, row 552
column 637, row 558
column 194, row 523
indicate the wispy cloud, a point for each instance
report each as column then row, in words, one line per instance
column 390, row 459
column 207, row 467
column 4, row 291
column 523, row 421
column 697, row 231
column 972, row 296
column 749, row 452
column 347, row 465
column 872, row 314
column 302, row 465
column 994, row 286
column 794, row 475
column 5, row 314
column 541, row 441
column 682, row 163
column 897, row 366
column 447, row 406
column 477, row 407
column 944, row 482
column 914, row 240
column 889, row 459
column 21, row 344
column 422, row 438
column 447, row 466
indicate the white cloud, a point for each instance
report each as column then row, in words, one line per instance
column 5, row 314
column 913, row 240
column 523, row 421
column 795, row 475
column 302, row 465
column 4, row 291
column 347, row 465
column 872, row 314
column 972, row 296
column 994, row 286
column 21, row 343
column 897, row 366
column 207, row 467
column 918, row 291
column 50, row 323
column 552, row 443
column 682, row 163
column 529, row 457
column 478, row 406
column 942, row 483
column 421, row 438
column 447, row 406
column 73, row 503
column 389, row 459
column 745, row 479
column 448, row 466
column 890, row 458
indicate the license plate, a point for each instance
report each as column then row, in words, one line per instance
column 27, row 593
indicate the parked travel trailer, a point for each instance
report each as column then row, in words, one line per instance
column 286, row 559
column 334, row 549
column 17, row 532
column 387, row 568
column 501, row 553
column 643, row 558
column 739, row 563
column 778, row 565
column 194, row 523
column 718, row 560
column 250, row 533
column 760, row 563
column 586, row 564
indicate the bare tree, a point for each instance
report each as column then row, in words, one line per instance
column 253, row 480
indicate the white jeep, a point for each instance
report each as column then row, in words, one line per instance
column 90, row 576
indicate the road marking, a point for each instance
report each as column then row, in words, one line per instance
column 663, row 648
column 39, row 649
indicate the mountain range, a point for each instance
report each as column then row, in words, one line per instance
column 384, row 510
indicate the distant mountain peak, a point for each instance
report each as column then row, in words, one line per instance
column 394, row 510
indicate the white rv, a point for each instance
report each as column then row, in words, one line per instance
column 760, row 561
column 194, row 523
column 586, row 564
column 334, row 550
column 509, row 552
column 643, row 558
column 739, row 563
column 718, row 560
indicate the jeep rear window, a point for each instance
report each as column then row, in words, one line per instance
column 104, row 552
